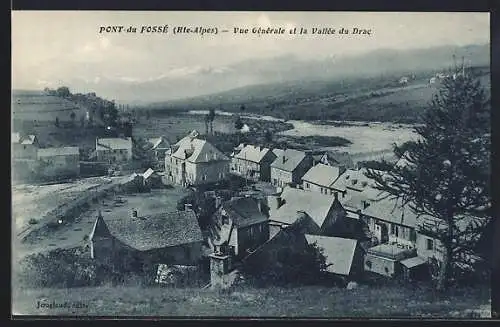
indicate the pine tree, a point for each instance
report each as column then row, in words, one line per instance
column 448, row 172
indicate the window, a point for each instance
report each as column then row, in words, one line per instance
column 393, row 229
column 204, row 177
column 430, row 244
column 413, row 235
column 368, row 220
column 396, row 231
column 308, row 185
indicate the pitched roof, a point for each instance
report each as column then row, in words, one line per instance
column 27, row 139
column 338, row 252
column 391, row 210
column 289, row 160
column 148, row 173
column 322, row 175
column 278, row 152
column 338, row 158
column 113, row 143
column 252, row 153
column 413, row 262
column 353, row 179
column 152, row 232
column 196, row 150
column 64, row 151
column 296, row 200
column 159, row 142
column 244, row 211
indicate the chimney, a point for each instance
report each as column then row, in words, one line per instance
column 218, row 201
column 284, row 159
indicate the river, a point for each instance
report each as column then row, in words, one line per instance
column 370, row 139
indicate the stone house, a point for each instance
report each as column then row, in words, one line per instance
column 253, row 163
column 172, row 238
column 24, row 147
column 240, row 225
column 64, row 161
column 193, row 161
column 387, row 219
column 320, row 179
column 290, row 167
column 318, row 215
column 160, row 146
column 113, row 150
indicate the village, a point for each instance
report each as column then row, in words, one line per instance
column 255, row 173
column 246, row 206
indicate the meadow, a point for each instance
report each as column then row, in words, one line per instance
column 393, row 301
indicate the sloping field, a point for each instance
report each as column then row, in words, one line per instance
column 33, row 105
column 326, row 302
column 34, row 201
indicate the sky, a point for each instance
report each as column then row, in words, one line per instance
column 50, row 48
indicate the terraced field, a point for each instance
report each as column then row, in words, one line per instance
column 33, row 105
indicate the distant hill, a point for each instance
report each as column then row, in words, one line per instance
column 195, row 81
column 36, row 105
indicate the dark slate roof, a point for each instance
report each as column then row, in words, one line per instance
column 244, row 211
column 151, row 232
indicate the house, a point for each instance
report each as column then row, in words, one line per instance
column 193, row 161
column 342, row 160
column 403, row 80
column 172, row 238
column 431, row 249
column 387, row 219
column 113, row 150
column 240, row 224
column 352, row 180
column 278, row 152
column 343, row 256
column 159, row 145
column 320, row 179
column 133, row 184
column 319, row 215
column 253, row 162
column 387, row 260
column 290, row 167
column 64, row 161
column 24, row 147
column 151, row 179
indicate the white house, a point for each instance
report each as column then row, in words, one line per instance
column 113, row 150
column 321, row 178
column 193, row 161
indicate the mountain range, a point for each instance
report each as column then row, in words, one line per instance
column 184, row 83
